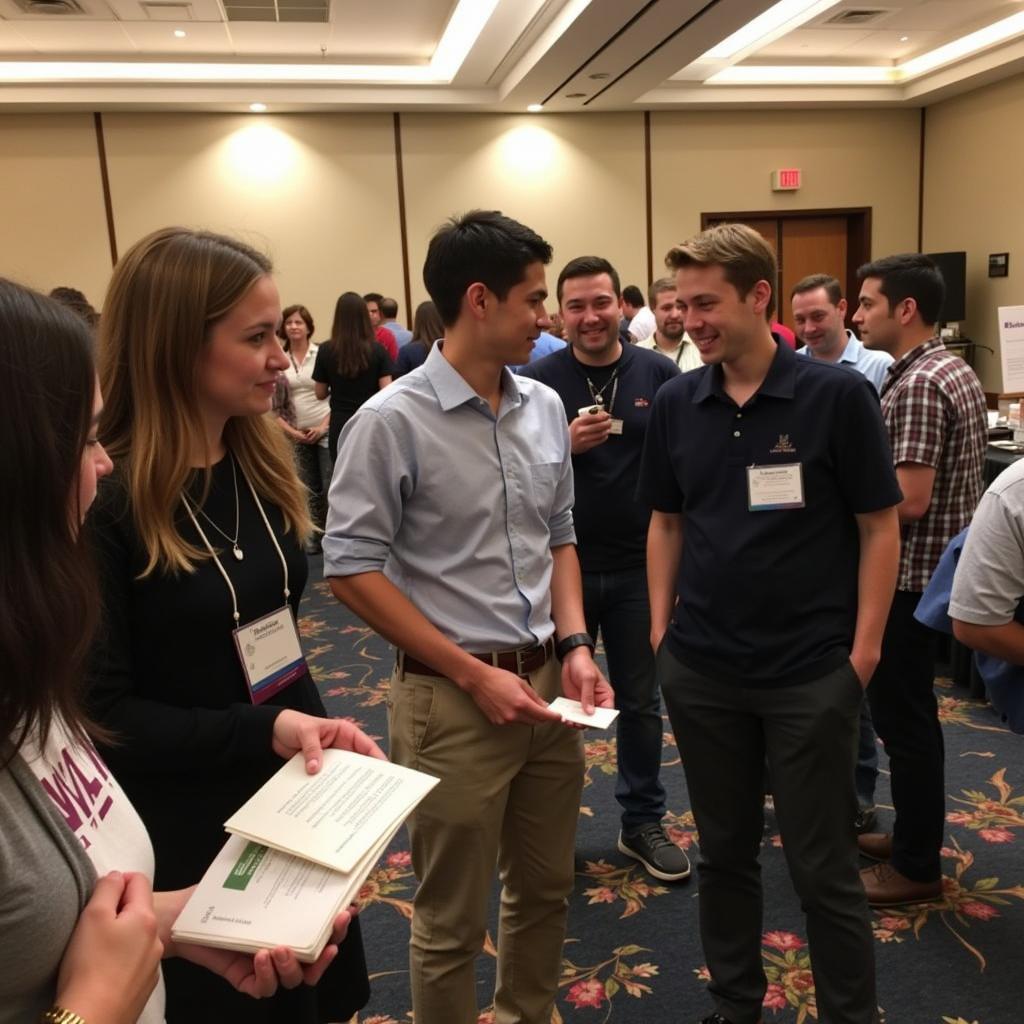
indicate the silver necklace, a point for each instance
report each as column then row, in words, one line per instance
column 233, row 541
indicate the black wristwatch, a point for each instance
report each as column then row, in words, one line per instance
column 573, row 640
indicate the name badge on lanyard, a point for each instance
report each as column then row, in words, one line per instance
column 770, row 488
column 268, row 647
column 271, row 653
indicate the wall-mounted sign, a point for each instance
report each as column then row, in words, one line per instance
column 1011, row 347
column 788, row 179
column 998, row 264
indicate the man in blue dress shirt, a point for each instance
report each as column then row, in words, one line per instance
column 450, row 532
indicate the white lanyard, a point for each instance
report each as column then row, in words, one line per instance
column 213, row 554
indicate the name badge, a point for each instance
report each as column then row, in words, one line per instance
column 775, row 487
column 593, row 410
column 270, row 653
column 616, row 427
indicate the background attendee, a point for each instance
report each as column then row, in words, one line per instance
column 934, row 409
column 389, row 313
column 819, row 312
column 619, row 383
column 632, row 302
column 380, row 332
column 450, row 533
column 426, row 329
column 641, row 318
column 77, row 302
column 543, row 345
column 349, row 367
column 771, row 560
column 198, row 532
column 669, row 337
column 311, row 416
column 69, row 941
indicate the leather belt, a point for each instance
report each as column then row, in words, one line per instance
column 522, row 661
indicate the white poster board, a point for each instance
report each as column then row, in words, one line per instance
column 1011, row 347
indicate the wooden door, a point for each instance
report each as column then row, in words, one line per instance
column 810, row 245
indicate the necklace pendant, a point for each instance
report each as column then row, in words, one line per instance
column 599, row 399
column 237, row 552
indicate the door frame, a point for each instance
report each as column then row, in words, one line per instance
column 858, row 238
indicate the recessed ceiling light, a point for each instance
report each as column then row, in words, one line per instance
column 535, row 108
column 257, row 108
column 179, row 33
column 904, row 39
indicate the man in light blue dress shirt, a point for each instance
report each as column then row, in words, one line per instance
column 389, row 317
column 450, row 532
column 819, row 313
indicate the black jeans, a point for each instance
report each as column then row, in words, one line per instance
column 808, row 733
column 314, row 468
column 617, row 602
column 906, row 717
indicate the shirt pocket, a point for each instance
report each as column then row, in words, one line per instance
column 544, row 477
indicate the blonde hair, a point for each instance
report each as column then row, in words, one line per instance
column 744, row 256
column 166, row 294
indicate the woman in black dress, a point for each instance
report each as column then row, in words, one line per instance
column 198, row 532
column 351, row 366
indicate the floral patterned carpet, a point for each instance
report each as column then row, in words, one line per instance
column 632, row 952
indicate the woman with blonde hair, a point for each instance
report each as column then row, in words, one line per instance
column 199, row 536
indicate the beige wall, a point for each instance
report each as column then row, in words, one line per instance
column 53, row 227
column 721, row 161
column 318, row 192
column 578, row 181
column 973, row 201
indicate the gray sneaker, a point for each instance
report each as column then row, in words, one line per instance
column 660, row 857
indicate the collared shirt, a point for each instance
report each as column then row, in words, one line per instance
column 686, row 356
column 642, row 326
column 611, row 525
column 458, row 507
column 544, row 345
column 935, row 412
column 872, row 363
column 402, row 335
column 768, row 597
column 310, row 411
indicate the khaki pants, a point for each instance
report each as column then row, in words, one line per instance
column 509, row 795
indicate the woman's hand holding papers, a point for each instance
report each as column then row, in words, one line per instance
column 294, row 732
column 258, row 976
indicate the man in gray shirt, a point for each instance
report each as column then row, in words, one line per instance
column 450, row 532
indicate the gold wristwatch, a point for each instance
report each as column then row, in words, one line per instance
column 58, row 1015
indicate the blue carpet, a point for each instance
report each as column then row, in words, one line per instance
column 633, row 953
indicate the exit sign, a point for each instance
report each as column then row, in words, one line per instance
column 786, row 180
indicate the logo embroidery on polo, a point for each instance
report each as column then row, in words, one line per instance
column 640, row 403
column 783, row 446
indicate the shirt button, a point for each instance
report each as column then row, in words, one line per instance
column 735, row 433
column 739, row 415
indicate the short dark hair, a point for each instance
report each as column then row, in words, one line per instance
column 388, row 308
column 48, row 584
column 76, row 302
column 910, row 275
column 307, row 319
column 742, row 253
column 587, row 266
column 632, row 294
column 481, row 246
column 373, row 297
column 813, row 282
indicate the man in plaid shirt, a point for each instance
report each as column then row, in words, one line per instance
column 934, row 409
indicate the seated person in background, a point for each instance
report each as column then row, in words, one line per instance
column 426, row 329
column 669, row 337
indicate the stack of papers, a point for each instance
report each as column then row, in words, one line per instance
column 300, row 851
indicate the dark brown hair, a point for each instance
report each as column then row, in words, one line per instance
column 48, row 591
column 811, row 283
column 426, row 325
column 352, row 335
column 307, row 319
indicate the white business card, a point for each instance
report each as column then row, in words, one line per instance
column 572, row 711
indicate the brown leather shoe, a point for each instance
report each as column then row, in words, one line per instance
column 886, row 887
column 876, row 845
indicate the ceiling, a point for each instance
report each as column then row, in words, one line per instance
column 500, row 55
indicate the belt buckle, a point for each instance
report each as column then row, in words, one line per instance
column 519, row 662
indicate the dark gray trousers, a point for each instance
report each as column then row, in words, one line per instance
column 808, row 733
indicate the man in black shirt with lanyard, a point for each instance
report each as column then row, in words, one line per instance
column 607, row 389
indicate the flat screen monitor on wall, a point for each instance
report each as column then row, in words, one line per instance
column 954, row 272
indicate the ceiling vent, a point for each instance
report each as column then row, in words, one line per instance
column 316, row 11
column 50, row 7
column 167, row 12
column 857, row 16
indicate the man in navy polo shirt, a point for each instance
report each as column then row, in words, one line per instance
column 607, row 389
column 771, row 558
